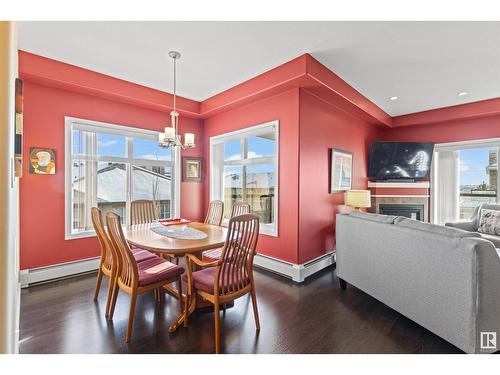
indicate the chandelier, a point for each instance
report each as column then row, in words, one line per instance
column 170, row 137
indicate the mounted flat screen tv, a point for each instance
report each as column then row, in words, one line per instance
column 400, row 160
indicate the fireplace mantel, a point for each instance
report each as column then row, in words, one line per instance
column 400, row 185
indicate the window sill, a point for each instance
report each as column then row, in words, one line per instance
column 265, row 229
column 76, row 236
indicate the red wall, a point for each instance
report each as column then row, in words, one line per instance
column 42, row 196
column 283, row 107
column 323, row 127
column 309, row 128
column 450, row 131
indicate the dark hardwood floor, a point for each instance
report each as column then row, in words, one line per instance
column 313, row 317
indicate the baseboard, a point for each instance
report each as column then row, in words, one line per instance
column 57, row 271
column 297, row 272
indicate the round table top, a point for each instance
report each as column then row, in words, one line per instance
column 141, row 235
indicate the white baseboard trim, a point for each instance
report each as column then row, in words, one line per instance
column 297, row 272
column 37, row 275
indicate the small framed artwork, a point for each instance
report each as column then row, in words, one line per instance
column 42, row 160
column 341, row 170
column 191, row 169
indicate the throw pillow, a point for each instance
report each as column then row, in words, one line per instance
column 489, row 222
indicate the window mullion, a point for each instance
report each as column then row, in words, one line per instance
column 91, row 173
column 128, row 178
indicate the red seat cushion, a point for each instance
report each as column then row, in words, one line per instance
column 141, row 255
column 157, row 269
column 212, row 255
column 205, row 279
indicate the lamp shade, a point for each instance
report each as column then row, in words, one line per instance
column 358, row 198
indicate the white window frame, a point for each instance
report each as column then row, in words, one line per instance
column 71, row 123
column 217, row 167
column 457, row 146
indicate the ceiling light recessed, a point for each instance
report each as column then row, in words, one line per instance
column 462, row 93
column 393, row 98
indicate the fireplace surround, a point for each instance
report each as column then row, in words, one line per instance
column 409, row 199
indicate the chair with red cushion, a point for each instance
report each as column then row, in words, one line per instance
column 135, row 277
column 239, row 208
column 231, row 276
column 109, row 260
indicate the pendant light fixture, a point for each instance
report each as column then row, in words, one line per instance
column 170, row 137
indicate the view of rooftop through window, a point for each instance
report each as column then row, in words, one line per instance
column 478, row 179
column 102, row 163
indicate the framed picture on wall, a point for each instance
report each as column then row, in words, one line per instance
column 341, row 171
column 42, row 160
column 191, row 169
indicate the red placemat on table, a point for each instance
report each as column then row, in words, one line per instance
column 168, row 222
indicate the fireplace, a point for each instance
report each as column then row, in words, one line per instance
column 409, row 199
column 412, row 211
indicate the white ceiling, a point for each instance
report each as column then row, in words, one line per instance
column 424, row 64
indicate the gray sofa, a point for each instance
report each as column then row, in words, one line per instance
column 473, row 224
column 445, row 279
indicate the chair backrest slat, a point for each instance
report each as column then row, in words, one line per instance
column 142, row 212
column 235, row 270
column 240, row 208
column 108, row 256
column 215, row 213
column 127, row 266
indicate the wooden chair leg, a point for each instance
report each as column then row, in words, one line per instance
column 179, row 291
column 98, row 284
column 157, row 297
column 133, row 299
column 111, row 288
column 255, row 310
column 217, row 326
column 187, row 302
column 114, row 297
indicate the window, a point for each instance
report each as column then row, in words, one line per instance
column 244, row 167
column 465, row 174
column 108, row 166
column 478, row 179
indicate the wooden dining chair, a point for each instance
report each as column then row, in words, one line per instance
column 136, row 278
column 228, row 278
column 215, row 213
column 108, row 262
column 142, row 211
column 239, row 208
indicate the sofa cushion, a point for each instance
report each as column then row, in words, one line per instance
column 387, row 219
column 477, row 212
column 433, row 228
column 489, row 221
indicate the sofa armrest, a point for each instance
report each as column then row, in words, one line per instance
column 464, row 225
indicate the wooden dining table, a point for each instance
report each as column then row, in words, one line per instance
column 143, row 237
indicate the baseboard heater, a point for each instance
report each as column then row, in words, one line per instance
column 297, row 272
column 57, row 271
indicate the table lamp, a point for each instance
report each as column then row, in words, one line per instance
column 358, row 199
